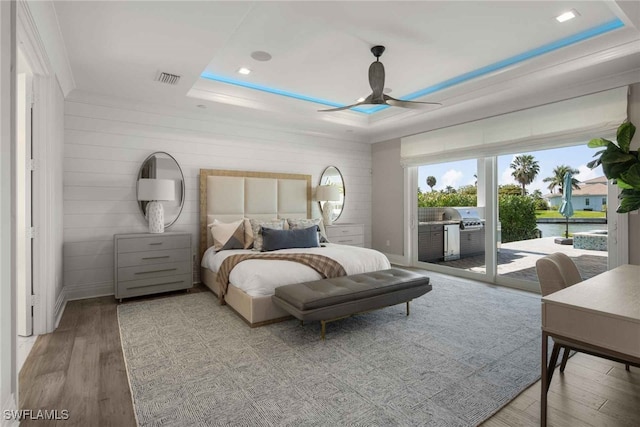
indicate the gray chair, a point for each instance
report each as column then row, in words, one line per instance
column 556, row 272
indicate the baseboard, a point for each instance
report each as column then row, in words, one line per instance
column 9, row 405
column 93, row 290
column 396, row 259
column 61, row 304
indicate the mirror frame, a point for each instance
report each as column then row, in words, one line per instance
column 344, row 189
column 167, row 224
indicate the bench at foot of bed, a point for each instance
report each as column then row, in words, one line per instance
column 332, row 299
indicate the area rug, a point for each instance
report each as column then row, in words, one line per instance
column 465, row 351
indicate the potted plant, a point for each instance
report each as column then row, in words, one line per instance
column 621, row 165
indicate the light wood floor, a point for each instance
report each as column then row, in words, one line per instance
column 80, row 367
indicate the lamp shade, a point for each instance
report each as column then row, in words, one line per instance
column 156, row 189
column 329, row 193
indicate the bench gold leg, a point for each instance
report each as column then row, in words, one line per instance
column 407, row 308
column 324, row 325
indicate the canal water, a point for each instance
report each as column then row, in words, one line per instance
column 558, row 229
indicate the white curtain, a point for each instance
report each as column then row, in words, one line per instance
column 557, row 124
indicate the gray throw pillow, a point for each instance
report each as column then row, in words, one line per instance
column 272, row 240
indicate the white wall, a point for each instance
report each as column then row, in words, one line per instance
column 52, row 191
column 388, row 199
column 106, row 141
column 7, row 290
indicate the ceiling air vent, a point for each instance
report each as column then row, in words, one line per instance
column 168, row 78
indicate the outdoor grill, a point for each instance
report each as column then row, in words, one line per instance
column 471, row 232
column 469, row 218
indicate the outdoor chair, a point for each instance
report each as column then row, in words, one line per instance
column 556, row 272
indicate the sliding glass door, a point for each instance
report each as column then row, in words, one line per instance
column 530, row 192
column 492, row 218
column 450, row 231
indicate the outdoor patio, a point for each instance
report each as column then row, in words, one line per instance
column 518, row 259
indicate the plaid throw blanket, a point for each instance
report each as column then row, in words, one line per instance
column 324, row 265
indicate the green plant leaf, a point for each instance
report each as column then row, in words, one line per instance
column 598, row 153
column 615, row 162
column 629, row 201
column 598, row 142
column 623, row 184
column 625, row 135
column 632, row 176
column 594, row 163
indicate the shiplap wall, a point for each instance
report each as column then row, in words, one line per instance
column 106, row 144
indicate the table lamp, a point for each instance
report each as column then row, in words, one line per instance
column 327, row 194
column 154, row 191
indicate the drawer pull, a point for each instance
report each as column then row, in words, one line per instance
column 156, row 284
column 345, row 231
column 346, row 241
column 156, row 271
column 156, row 257
column 155, row 244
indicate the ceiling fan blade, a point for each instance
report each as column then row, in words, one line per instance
column 346, row 107
column 416, row 105
column 376, row 79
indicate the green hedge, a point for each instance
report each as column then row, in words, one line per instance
column 517, row 216
column 440, row 200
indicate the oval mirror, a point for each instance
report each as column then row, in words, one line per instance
column 332, row 176
column 163, row 166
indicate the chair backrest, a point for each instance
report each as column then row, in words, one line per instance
column 556, row 271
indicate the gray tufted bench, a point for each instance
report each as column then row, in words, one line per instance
column 332, row 299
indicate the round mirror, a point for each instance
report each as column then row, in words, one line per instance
column 332, row 176
column 162, row 166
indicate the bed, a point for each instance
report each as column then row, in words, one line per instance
column 232, row 195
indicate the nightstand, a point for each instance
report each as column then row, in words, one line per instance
column 346, row 234
column 148, row 263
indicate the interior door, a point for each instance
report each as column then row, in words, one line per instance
column 24, row 240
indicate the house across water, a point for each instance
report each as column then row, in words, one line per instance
column 591, row 196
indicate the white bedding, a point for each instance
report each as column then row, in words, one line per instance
column 261, row 277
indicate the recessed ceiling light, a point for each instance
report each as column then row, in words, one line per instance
column 260, row 55
column 244, row 71
column 360, row 99
column 567, row 16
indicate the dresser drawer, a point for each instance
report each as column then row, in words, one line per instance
column 153, row 243
column 134, row 288
column 130, row 259
column 344, row 230
column 348, row 240
column 155, row 270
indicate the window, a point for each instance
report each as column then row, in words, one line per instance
column 604, row 201
column 586, row 201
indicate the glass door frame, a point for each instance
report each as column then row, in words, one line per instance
column 618, row 241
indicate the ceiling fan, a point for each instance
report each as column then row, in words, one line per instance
column 376, row 81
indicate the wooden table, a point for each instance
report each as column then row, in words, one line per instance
column 599, row 316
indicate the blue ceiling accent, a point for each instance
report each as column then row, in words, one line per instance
column 550, row 47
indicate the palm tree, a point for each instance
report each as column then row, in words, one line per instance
column 431, row 181
column 557, row 179
column 525, row 169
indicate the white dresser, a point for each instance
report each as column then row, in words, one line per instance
column 152, row 263
column 346, row 234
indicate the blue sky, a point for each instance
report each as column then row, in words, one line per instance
column 457, row 174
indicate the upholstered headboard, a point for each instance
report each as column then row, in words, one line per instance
column 231, row 195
